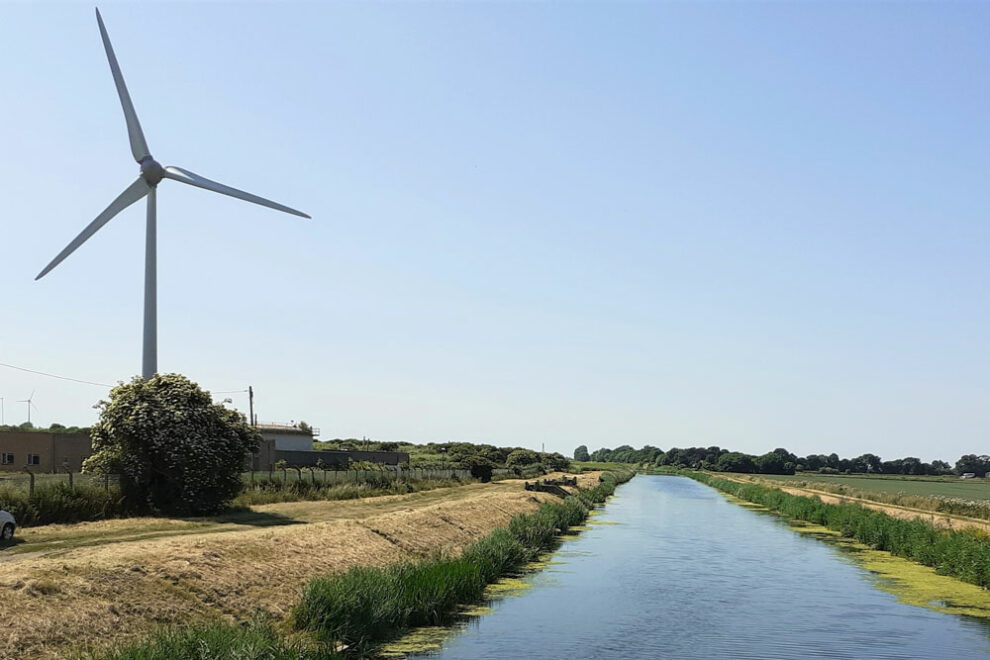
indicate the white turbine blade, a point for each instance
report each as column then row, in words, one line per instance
column 138, row 146
column 133, row 193
column 185, row 176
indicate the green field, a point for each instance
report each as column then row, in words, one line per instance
column 967, row 489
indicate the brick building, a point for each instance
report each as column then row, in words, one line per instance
column 43, row 452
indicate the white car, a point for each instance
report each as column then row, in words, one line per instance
column 7, row 526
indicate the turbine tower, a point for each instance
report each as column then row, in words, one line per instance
column 146, row 185
column 30, row 404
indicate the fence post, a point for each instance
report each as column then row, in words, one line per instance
column 31, row 486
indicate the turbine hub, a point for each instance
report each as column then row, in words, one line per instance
column 152, row 171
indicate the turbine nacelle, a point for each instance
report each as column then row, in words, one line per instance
column 152, row 171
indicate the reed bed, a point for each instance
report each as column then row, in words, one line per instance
column 963, row 554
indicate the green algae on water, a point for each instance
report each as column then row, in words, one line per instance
column 911, row 583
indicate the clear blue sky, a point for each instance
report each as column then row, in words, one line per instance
column 744, row 224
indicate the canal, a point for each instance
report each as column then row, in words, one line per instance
column 672, row 569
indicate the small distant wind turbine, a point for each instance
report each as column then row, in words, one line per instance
column 30, row 404
column 146, row 184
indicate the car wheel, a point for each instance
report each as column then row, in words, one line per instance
column 7, row 533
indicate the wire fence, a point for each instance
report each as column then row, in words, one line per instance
column 21, row 480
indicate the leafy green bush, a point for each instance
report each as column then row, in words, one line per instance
column 177, row 452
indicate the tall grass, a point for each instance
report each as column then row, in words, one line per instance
column 963, row 554
column 61, row 503
column 258, row 641
column 957, row 506
column 270, row 491
column 368, row 605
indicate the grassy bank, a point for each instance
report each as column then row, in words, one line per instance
column 963, row 554
column 970, row 498
column 363, row 607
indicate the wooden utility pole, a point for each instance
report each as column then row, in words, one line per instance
column 251, row 419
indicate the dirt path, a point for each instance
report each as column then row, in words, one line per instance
column 943, row 520
column 95, row 583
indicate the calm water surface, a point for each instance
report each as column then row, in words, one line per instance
column 686, row 574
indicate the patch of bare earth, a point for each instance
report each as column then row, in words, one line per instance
column 53, row 601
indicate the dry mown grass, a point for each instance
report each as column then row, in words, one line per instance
column 119, row 589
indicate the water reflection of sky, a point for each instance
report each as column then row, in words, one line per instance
column 687, row 574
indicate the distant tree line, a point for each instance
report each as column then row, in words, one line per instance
column 481, row 459
column 780, row 461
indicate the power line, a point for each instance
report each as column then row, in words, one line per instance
column 88, row 382
column 42, row 373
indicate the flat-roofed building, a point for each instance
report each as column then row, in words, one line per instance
column 41, row 451
column 289, row 437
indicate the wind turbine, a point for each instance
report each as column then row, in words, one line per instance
column 30, row 402
column 146, row 185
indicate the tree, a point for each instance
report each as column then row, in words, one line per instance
column 734, row 461
column 774, row 462
column 868, row 463
column 581, row 453
column 555, row 461
column 521, row 458
column 978, row 465
column 177, row 452
column 481, row 468
column 941, row 467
